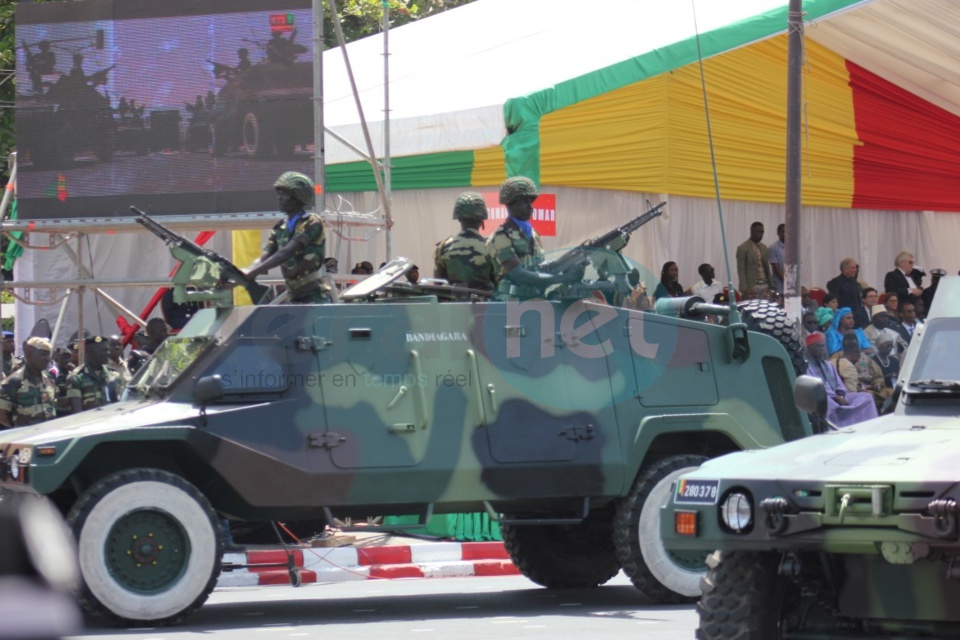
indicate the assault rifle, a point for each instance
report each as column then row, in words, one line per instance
column 202, row 268
column 610, row 242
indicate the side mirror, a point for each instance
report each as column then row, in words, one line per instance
column 810, row 396
column 209, row 389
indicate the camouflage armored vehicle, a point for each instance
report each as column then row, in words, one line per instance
column 852, row 533
column 567, row 419
column 266, row 110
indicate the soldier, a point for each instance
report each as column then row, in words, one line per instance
column 464, row 259
column 516, row 248
column 93, row 385
column 115, row 361
column 243, row 57
column 64, row 360
column 29, row 395
column 297, row 244
column 9, row 347
column 157, row 332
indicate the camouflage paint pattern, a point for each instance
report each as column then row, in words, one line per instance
column 465, row 260
column 28, row 402
column 94, row 388
column 876, row 502
column 389, row 408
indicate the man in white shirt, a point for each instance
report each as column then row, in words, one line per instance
column 707, row 288
column 880, row 323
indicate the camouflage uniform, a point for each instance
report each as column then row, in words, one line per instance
column 94, row 389
column 28, row 402
column 509, row 241
column 302, row 271
column 464, row 259
column 10, row 365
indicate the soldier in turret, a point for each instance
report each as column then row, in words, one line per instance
column 297, row 244
column 29, row 395
column 516, row 248
column 464, row 259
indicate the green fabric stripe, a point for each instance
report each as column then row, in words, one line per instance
column 428, row 171
column 523, row 114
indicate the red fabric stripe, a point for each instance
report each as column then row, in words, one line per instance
column 255, row 558
column 384, row 555
column 910, row 156
column 282, row 576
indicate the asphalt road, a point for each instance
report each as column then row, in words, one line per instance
column 461, row 608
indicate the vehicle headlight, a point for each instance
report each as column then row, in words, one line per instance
column 737, row 511
column 15, row 466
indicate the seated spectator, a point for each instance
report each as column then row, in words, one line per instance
column 830, row 300
column 824, row 318
column 330, row 265
column 843, row 325
column 919, row 308
column 907, row 314
column 668, row 287
column 861, row 373
column 809, row 323
column 844, row 408
column 880, row 326
column 870, row 299
column 892, row 303
column 889, row 364
column 707, row 287
column 807, row 302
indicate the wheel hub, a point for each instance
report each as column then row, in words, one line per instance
column 147, row 551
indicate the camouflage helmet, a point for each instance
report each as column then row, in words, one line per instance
column 297, row 185
column 517, row 187
column 470, row 206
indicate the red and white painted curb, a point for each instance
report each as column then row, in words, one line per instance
column 320, row 564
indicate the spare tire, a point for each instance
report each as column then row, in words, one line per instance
column 767, row 317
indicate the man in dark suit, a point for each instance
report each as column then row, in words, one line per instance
column 848, row 291
column 902, row 280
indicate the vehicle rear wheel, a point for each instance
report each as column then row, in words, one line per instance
column 253, row 138
column 663, row 576
column 563, row 556
column 148, row 547
column 742, row 599
column 767, row 317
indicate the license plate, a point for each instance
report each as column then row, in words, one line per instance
column 697, row 492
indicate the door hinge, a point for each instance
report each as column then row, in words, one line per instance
column 326, row 440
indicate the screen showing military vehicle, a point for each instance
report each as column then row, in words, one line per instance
column 158, row 104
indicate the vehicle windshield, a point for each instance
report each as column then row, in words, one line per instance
column 937, row 367
column 168, row 362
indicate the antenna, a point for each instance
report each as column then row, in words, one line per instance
column 734, row 312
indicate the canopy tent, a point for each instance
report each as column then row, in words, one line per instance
column 533, row 96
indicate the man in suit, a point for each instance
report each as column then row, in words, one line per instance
column 901, row 280
column 848, row 292
column 753, row 264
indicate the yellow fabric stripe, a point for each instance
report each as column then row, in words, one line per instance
column 246, row 249
column 488, row 167
column 652, row 135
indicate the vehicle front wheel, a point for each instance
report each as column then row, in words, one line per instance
column 742, row 598
column 663, row 576
column 148, row 547
column 563, row 556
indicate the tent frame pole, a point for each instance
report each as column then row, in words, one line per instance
column 794, row 185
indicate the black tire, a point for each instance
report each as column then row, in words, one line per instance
column 741, row 597
column 664, row 577
column 766, row 317
column 563, row 556
column 173, row 561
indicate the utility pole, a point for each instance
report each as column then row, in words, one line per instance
column 794, row 199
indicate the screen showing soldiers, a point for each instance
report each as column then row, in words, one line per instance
column 117, row 97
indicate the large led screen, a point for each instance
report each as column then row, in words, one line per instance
column 173, row 106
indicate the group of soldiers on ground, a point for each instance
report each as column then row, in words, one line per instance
column 46, row 383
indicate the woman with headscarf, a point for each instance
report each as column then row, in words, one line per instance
column 843, row 323
column 669, row 287
column 824, row 317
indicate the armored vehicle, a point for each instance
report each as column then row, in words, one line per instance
column 71, row 119
column 851, row 533
column 565, row 418
column 266, row 110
